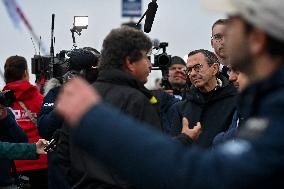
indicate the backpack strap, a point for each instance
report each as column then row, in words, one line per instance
column 33, row 119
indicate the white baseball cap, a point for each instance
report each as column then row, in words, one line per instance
column 268, row 15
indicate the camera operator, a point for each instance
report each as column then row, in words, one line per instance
column 177, row 77
column 81, row 62
column 172, row 84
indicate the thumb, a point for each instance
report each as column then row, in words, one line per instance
column 185, row 122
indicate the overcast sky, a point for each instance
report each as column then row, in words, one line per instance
column 181, row 23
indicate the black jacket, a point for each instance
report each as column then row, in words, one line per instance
column 123, row 91
column 214, row 110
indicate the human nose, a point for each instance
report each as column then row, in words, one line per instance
column 192, row 72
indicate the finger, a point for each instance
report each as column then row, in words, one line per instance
column 198, row 125
column 185, row 122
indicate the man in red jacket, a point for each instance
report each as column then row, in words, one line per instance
column 27, row 105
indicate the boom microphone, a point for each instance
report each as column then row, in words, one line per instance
column 155, row 44
column 150, row 15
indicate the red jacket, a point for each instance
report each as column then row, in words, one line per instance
column 32, row 98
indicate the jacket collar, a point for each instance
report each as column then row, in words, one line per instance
column 119, row 77
column 223, row 91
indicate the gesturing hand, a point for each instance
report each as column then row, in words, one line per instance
column 191, row 133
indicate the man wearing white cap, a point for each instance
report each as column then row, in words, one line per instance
column 149, row 160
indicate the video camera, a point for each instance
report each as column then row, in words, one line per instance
column 64, row 64
column 162, row 62
column 7, row 98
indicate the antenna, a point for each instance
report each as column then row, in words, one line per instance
column 39, row 43
column 51, row 46
column 33, row 45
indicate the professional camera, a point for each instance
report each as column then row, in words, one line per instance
column 64, row 64
column 162, row 62
column 7, row 98
column 67, row 62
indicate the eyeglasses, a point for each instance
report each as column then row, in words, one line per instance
column 196, row 67
column 218, row 37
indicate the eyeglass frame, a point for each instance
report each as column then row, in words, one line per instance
column 218, row 37
column 197, row 69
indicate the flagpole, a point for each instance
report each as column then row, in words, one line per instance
column 17, row 15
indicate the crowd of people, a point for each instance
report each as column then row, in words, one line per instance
column 218, row 124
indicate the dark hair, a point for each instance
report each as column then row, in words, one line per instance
column 14, row 68
column 119, row 44
column 220, row 21
column 274, row 46
column 177, row 60
column 210, row 56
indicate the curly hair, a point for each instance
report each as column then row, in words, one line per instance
column 121, row 43
column 14, row 68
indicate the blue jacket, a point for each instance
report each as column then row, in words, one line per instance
column 48, row 123
column 151, row 160
column 166, row 101
column 230, row 133
column 9, row 132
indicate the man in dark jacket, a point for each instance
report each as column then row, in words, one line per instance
column 123, row 70
column 211, row 100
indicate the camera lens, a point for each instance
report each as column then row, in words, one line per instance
column 164, row 60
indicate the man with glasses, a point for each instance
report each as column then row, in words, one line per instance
column 218, row 44
column 211, row 100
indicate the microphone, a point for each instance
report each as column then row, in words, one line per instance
column 150, row 15
column 156, row 44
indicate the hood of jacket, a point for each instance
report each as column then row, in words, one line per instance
column 23, row 89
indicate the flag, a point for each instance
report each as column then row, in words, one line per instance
column 17, row 16
column 12, row 12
